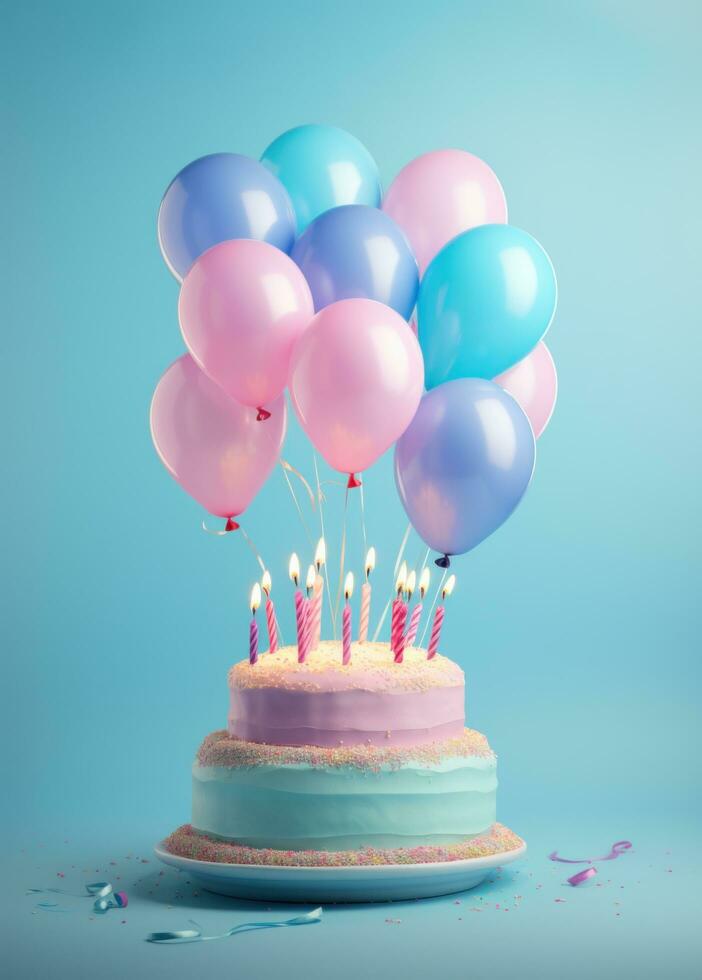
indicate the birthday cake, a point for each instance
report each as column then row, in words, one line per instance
column 325, row 762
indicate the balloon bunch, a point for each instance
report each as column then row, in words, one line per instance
column 296, row 272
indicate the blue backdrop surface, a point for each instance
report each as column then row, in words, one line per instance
column 577, row 623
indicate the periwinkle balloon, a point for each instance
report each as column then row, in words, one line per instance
column 209, row 443
column 485, row 301
column 464, row 463
column 323, row 167
column 217, row 198
column 357, row 252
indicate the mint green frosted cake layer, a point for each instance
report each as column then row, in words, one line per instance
column 301, row 807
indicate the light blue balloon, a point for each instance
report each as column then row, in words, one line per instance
column 463, row 464
column 357, row 252
column 485, row 301
column 323, row 167
column 219, row 197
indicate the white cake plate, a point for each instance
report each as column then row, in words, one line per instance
column 372, row 883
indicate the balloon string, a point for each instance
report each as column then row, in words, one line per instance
column 320, row 501
column 363, row 525
column 394, row 579
column 285, row 466
column 431, row 610
column 341, row 560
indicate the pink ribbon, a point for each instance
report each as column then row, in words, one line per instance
column 616, row 850
column 577, row 879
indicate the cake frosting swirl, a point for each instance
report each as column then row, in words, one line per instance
column 370, row 701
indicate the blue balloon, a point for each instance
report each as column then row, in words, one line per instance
column 357, row 252
column 485, row 301
column 464, row 463
column 323, row 167
column 217, row 198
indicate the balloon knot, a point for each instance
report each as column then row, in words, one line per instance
column 443, row 562
column 354, row 481
column 262, row 414
column 231, row 525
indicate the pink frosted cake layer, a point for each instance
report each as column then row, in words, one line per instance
column 189, row 843
column 370, row 701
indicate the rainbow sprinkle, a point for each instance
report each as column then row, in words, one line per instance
column 222, row 749
column 372, row 668
column 189, row 843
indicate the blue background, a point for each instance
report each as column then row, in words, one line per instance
column 577, row 623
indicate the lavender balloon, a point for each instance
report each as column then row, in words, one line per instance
column 357, row 252
column 463, row 464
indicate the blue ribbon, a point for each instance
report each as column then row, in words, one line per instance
column 102, row 891
column 196, row 936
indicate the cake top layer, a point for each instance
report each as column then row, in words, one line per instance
column 221, row 749
column 372, row 668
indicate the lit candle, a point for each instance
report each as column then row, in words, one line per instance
column 399, row 613
column 439, row 618
column 417, row 611
column 253, row 628
column 266, row 585
column 346, row 620
column 307, row 632
column 401, row 642
column 320, row 557
column 366, row 598
column 300, row 607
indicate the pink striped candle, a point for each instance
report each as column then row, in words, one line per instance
column 316, row 611
column 435, row 633
column 417, row 611
column 300, row 622
column 433, row 647
column 300, row 607
column 364, row 618
column 346, row 621
column 320, row 557
column 253, row 628
column 413, row 625
column 266, row 585
column 400, row 641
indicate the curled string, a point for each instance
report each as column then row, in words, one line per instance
column 245, row 536
column 286, row 467
column 341, row 561
column 320, row 501
column 398, row 560
column 195, row 935
column 431, row 610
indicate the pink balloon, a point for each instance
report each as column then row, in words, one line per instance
column 533, row 383
column 210, row 444
column 242, row 306
column 441, row 194
column 356, row 379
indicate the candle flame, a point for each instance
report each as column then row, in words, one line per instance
column 424, row 582
column 255, row 597
column 348, row 586
column 448, row 588
column 320, row 555
column 309, row 581
column 294, row 568
column 411, row 583
column 401, row 578
column 266, row 582
column 370, row 562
